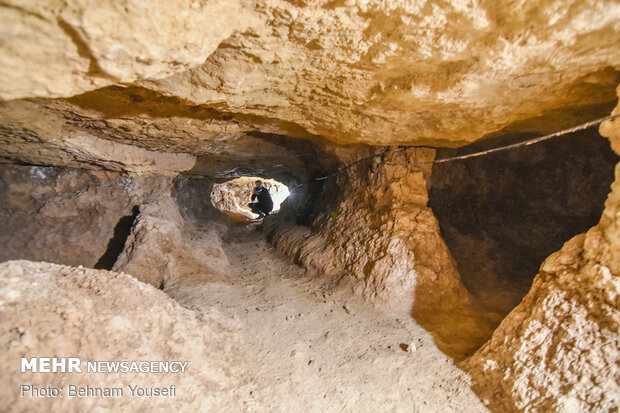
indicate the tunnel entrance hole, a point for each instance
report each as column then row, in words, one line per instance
column 502, row 214
column 232, row 197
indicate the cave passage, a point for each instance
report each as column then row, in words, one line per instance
column 502, row 214
column 117, row 242
column 232, row 197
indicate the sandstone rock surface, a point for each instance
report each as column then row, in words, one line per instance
column 392, row 72
column 53, row 135
column 67, row 216
column 106, row 220
column 223, row 89
column 81, row 45
column 53, row 310
column 136, row 130
column 395, row 72
column 163, row 249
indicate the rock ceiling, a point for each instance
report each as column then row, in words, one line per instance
column 194, row 76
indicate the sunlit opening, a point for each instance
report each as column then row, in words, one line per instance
column 232, row 197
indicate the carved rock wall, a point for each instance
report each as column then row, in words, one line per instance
column 163, row 248
column 377, row 236
column 81, row 45
column 105, row 220
column 137, row 130
column 52, row 133
column 435, row 72
column 394, row 72
column 67, row 216
column 502, row 214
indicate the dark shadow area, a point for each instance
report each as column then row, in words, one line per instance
column 192, row 194
column 502, row 214
column 117, row 242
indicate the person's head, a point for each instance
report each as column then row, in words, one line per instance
column 258, row 183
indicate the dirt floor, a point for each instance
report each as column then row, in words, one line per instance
column 303, row 349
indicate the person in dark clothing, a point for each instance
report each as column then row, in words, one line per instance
column 265, row 204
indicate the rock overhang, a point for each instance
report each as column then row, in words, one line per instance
column 356, row 72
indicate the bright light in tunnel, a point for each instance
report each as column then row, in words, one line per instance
column 232, row 197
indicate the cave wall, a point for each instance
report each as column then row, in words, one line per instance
column 109, row 220
column 59, row 133
column 77, row 45
column 376, row 235
column 442, row 73
column 163, row 247
column 193, row 196
column 65, row 215
column 503, row 213
column 133, row 129
column 388, row 72
column 558, row 350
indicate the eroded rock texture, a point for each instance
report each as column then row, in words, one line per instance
column 79, row 45
column 559, row 349
column 377, row 72
column 61, row 134
column 54, row 310
column 163, row 248
column 136, row 130
column 378, row 237
column 67, row 216
column 126, row 95
column 105, row 220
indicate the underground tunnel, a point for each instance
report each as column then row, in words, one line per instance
column 231, row 197
column 502, row 214
column 423, row 253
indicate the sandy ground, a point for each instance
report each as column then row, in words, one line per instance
column 303, row 349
